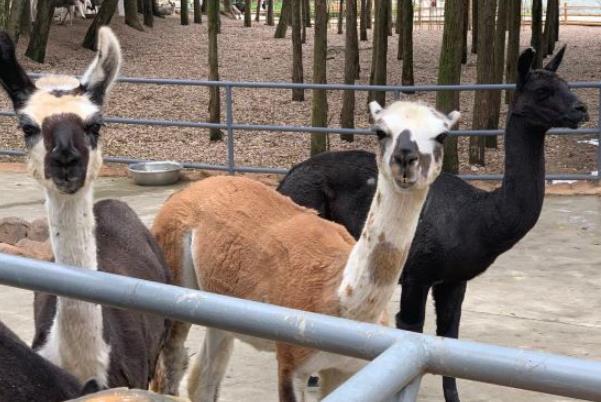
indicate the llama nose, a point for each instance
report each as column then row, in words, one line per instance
column 406, row 157
column 65, row 156
column 581, row 107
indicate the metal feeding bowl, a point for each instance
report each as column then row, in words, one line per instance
column 155, row 173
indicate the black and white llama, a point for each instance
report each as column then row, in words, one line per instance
column 61, row 118
column 462, row 229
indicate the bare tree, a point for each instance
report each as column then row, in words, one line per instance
column 298, row 94
column 197, row 12
column 482, row 118
column 285, row 19
column 380, row 51
column 270, row 21
column 449, row 73
column 214, row 101
column 319, row 107
column 258, row 11
column 4, row 13
column 537, row 41
column 475, row 8
column 514, row 20
column 183, row 12
column 363, row 21
column 247, row 13
column 36, row 49
column 13, row 23
column 131, row 14
column 25, row 20
column 407, row 75
column 466, row 24
column 369, row 13
column 498, row 67
column 550, row 35
column 399, row 13
column 340, row 15
column 148, row 14
column 351, row 69
column 399, row 17
column 307, row 13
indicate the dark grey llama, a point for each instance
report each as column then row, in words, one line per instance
column 25, row 376
column 462, row 229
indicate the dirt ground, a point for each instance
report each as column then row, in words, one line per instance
column 170, row 50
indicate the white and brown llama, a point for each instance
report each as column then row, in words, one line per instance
column 61, row 118
column 235, row 236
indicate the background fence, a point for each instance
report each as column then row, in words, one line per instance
column 231, row 126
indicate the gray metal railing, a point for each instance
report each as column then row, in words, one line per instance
column 231, row 127
column 400, row 358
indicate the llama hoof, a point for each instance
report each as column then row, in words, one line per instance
column 313, row 382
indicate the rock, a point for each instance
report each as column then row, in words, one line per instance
column 13, row 229
column 38, row 230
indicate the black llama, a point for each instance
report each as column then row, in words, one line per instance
column 462, row 229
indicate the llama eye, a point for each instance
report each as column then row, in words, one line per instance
column 94, row 129
column 441, row 137
column 30, row 130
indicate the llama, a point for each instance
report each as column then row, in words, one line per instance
column 61, row 118
column 462, row 229
column 235, row 236
column 69, row 7
column 25, row 376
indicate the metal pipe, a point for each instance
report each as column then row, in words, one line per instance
column 384, row 376
column 544, row 372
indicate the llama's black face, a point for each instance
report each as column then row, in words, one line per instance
column 60, row 116
column 544, row 98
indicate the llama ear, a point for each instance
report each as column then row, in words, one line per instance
column 374, row 109
column 103, row 70
column 553, row 65
column 13, row 78
column 524, row 65
column 454, row 117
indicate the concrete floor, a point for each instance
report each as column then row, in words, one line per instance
column 545, row 294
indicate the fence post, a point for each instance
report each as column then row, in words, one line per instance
column 229, row 121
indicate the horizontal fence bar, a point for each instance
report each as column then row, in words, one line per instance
column 269, row 170
column 536, row 371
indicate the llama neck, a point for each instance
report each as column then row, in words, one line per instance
column 75, row 341
column 521, row 195
column 375, row 262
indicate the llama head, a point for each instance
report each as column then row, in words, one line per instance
column 543, row 98
column 61, row 116
column 411, row 137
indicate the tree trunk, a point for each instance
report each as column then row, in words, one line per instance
column 340, row 16
column 389, row 19
column 537, row 40
column 248, row 14
column 285, row 19
column 483, row 111
column 363, row 21
column 25, row 23
column 407, row 75
column 298, row 94
column 380, row 51
column 319, row 107
column 449, row 73
column 399, row 16
column 475, row 19
column 258, row 11
column 369, row 13
column 140, row 6
column 307, row 10
column 155, row 9
column 214, row 101
column 4, row 13
column 13, row 23
column 556, row 30
column 514, row 16
column 197, row 12
column 304, row 17
column 104, row 16
column 183, row 12
column 36, row 49
column 466, row 23
column 351, row 67
column 498, row 67
column 131, row 14
column 270, row 21
column 148, row 15
column 549, row 35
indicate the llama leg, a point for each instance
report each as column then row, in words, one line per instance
column 209, row 367
column 413, row 306
column 448, row 298
column 331, row 379
column 172, row 361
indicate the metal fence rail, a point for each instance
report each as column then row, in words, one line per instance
column 231, row 127
column 400, row 357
